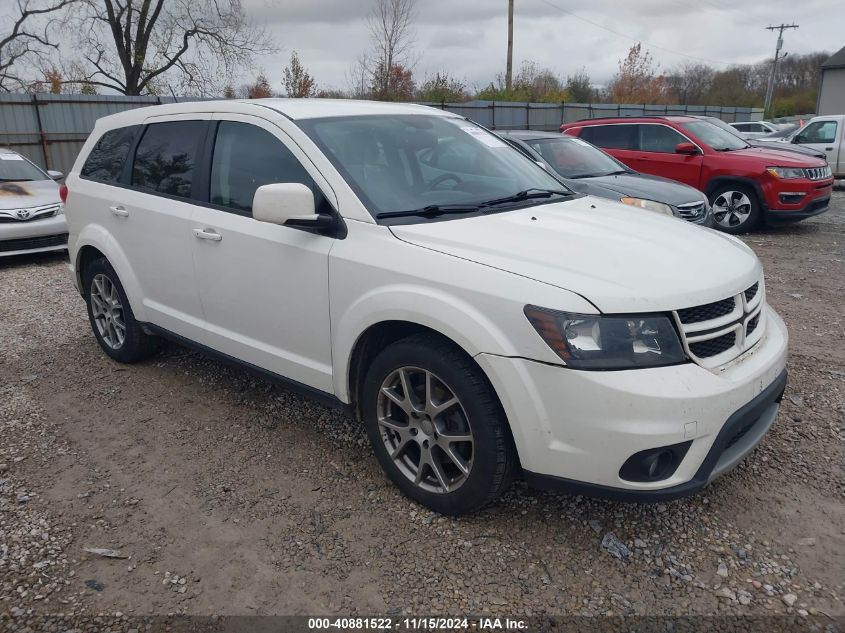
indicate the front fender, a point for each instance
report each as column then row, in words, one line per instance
column 500, row 328
column 97, row 236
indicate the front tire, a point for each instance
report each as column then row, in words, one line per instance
column 436, row 426
column 111, row 317
column 736, row 208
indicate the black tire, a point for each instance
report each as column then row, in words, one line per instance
column 493, row 455
column 726, row 221
column 137, row 344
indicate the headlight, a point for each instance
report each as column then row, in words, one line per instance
column 648, row 205
column 608, row 342
column 786, row 172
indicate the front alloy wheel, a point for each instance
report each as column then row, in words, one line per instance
column 732, row 209
column 425, row 430
column 436, row 425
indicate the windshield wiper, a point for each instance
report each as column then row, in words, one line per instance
column 431, row 211
column 527, row 194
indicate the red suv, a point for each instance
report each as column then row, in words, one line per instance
column 744, row 184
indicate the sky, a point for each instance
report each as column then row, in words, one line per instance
column 468, row 38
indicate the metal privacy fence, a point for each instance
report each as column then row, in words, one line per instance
column 50, row 129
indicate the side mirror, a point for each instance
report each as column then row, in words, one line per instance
column 55, row 175
column 289, row 204
column 686, row 148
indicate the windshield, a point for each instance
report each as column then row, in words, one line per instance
column 401, row 163
column 574, row 158
column 714, row 136
column 14, row 168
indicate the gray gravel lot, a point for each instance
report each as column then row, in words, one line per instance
column 229, row 495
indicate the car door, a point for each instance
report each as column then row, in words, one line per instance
column 824, row 135
column 152, row 217
column 264, row 287
column 655, row 154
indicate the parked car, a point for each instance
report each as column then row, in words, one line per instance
column 585, row 168
column 744, row 184
column 406, row 264
column 31, row 214
column 824, row 134
column 762, row 142
column 754, row 129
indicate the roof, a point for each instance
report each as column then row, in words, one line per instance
column 679, row 118
column 837, row 60
column 295, row 109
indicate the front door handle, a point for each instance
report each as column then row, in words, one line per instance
column 119, row 210
column 208, row 234
column 828, row 149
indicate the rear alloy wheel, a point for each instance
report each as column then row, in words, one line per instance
column 436, row 425
column 111, row 317
column 735, row 209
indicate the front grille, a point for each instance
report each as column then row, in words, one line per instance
column 707, row 312
column 752, row 324
column 35, row 213
column 819, row 173
column 29, row 243
column 713, row 346
column 691, row 210
column 751, row 292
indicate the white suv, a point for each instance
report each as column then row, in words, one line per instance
column 480, row 319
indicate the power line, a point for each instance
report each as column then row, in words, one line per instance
column 634, row 39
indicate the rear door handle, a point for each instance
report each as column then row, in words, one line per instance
column 208, row 234
column 119, row 210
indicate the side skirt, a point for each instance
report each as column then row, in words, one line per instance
column 292, row 385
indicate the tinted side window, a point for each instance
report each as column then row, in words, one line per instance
column 106, row 160
column 659, row 138
column 609, row 136
column 245, row 158
column 166, row 155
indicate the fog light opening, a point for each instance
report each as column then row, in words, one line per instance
column 654, row 464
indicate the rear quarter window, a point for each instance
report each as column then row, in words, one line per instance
column 105, row 162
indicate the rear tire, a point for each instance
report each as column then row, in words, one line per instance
column 736, row 208
column 436, row 425
column 111, row 317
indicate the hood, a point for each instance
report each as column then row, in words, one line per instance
column 778, row 156
column 28, row 193
column 619, row 258
column 637, row 186
column 783, row 146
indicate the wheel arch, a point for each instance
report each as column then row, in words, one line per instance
column 719, row 181
column 95, row 242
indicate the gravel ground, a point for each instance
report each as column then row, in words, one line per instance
column 225, row 494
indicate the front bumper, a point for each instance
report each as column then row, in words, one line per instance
column 34, row 236
column 576, row 429
column 792, row 201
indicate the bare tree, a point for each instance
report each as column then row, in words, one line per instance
column 298, row 82
column 25, row 38
column 145, row 46
column 391, row 32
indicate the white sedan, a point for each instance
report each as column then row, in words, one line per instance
column 31, row 212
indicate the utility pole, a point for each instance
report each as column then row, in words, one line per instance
column 509, row 70
column 770, row 88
